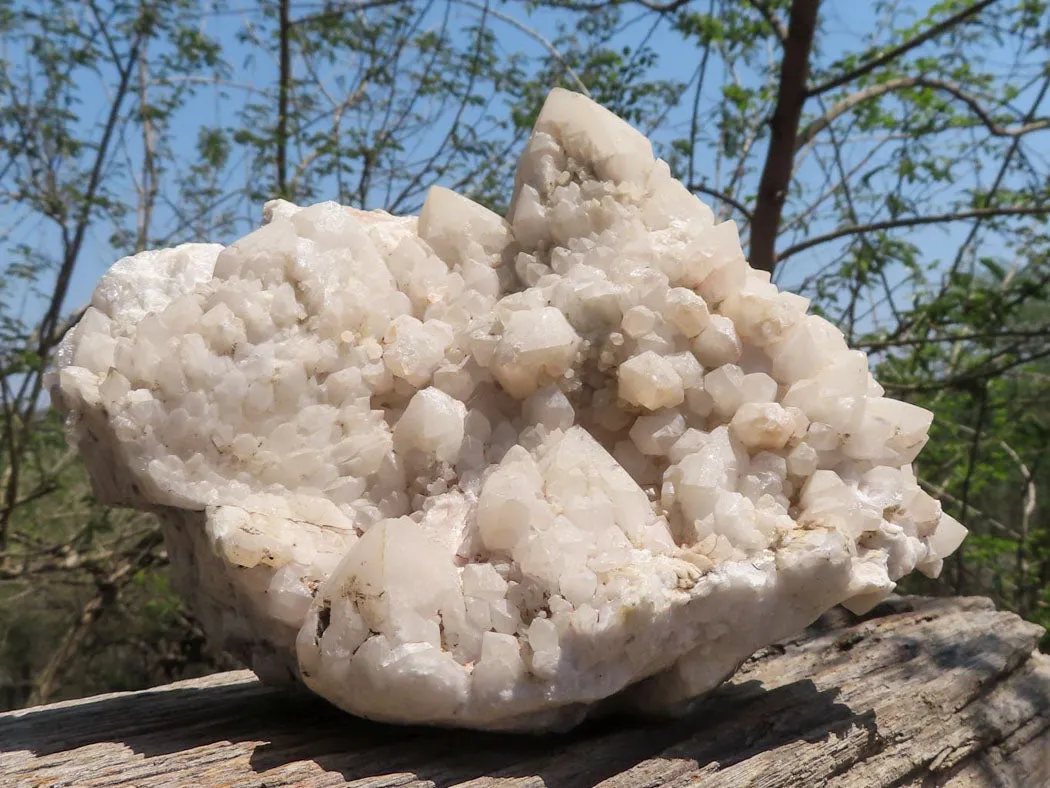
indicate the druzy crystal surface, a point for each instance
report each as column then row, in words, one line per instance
column 499, row 473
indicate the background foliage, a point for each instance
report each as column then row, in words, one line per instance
column 887, row 159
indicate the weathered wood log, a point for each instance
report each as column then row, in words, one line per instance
column 920, row 692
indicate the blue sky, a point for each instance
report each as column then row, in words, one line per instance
column 848, row 25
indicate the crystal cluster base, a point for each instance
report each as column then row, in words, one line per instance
column 499, row 473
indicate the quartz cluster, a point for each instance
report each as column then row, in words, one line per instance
column 499, row 473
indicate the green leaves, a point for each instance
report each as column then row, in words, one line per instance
column 213, row 146
column 387, row 100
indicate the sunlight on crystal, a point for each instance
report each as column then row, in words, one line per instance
column 483, row 472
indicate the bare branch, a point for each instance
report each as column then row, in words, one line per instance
column 762, row 6
column 940, row 492
column 427, row 169
column 901, row 83
column 196, row 79
column 72, row 251
column 1029, row 500
column 141, row 555
column 913, row 221
column 905, row 328
column 148, row 195
column 971, row 467
column 651, row 5
column 980, row 372
column 103, row 28
column 694, row 117
column 809, row 210
column 1004, row 167
column 719, row 195
column 534, row 34
column 32, row 384
column 966, row 336
column 283, row 88
column 892, row 54
column 771, row 19
column 338, row 9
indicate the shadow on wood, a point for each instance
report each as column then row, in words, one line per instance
column 919, row 692
column 282, row 728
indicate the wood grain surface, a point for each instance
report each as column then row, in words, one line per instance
column 921, row 692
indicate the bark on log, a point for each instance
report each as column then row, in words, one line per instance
column 920, row 692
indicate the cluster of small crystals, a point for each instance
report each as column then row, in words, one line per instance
column 457, row 452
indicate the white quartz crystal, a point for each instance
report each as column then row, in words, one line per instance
column 499, row 473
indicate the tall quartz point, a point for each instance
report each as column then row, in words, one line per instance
column 492, row 473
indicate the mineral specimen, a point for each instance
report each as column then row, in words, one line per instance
column 499, row 473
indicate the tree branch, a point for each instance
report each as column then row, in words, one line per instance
column 139, row 557
column 966, row 336
column 72, row 252
column 762, row 6
column 333, row 13
column 791, row 95
column 976, row 374
column 148, row 196
column 940, row 492
column 535, row 35
column 906, row 327
column 971, row 466
column 719, row 195
column 283, row 86
column 694, row 116
column 771, row 19
column 47, row 329
column 902, row 49
column 427, row 169
column 913, row 221
column 901, row 83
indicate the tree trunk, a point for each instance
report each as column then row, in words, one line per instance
column 783, row 132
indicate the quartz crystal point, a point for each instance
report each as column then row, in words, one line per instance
column 499, row 473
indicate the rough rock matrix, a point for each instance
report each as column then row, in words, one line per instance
column 463, row 470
